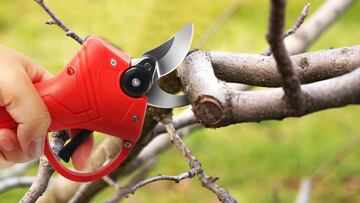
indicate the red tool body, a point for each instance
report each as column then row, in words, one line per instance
column 87, row 95
column 102, row 90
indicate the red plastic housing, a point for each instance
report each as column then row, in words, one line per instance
column 87, row 95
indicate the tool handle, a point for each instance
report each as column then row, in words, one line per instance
column 87, row 95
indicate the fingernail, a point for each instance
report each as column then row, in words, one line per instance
column 8, row 146
column 36, row 148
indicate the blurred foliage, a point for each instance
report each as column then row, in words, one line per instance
column 250, row 158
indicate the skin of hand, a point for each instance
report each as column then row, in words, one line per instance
column 21, row 100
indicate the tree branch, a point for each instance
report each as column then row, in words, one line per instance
column 45, row 170
column 147, row 137
column 312, row 29
column 124, row 191
column 299, row 21
column 58, row 22
column 215, row 105
column 291, row 82
column 260, row 70
column 206, row 181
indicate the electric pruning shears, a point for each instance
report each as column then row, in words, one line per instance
column 102, row 89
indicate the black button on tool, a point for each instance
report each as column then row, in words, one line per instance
column 136, row 81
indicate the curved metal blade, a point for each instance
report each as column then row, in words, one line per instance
column 170, row 54
column 161, row 99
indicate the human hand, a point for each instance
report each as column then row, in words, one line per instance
column 22, row 102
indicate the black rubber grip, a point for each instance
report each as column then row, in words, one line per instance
column 66, row 152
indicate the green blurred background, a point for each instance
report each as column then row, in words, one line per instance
column 250, row 158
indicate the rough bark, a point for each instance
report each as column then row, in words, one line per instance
column 260, row 70
column 216, row 105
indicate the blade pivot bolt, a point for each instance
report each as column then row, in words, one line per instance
column 135, row 82
column 113, row 62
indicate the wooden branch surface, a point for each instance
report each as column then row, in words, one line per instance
column 257, row 70
column 45, row 170
column 291, row 83
column 216, row 105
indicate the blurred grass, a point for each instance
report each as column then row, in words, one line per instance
column 250, row 158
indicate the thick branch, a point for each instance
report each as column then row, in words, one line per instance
column 215, row 105
column 291, row 82
column 260, row 70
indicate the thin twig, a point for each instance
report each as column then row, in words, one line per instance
column 124, row 191
column 328, row 13
column 45, row 171
column 299, row 21
column 291, row 82
column 58, row 22
column 206, row 181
